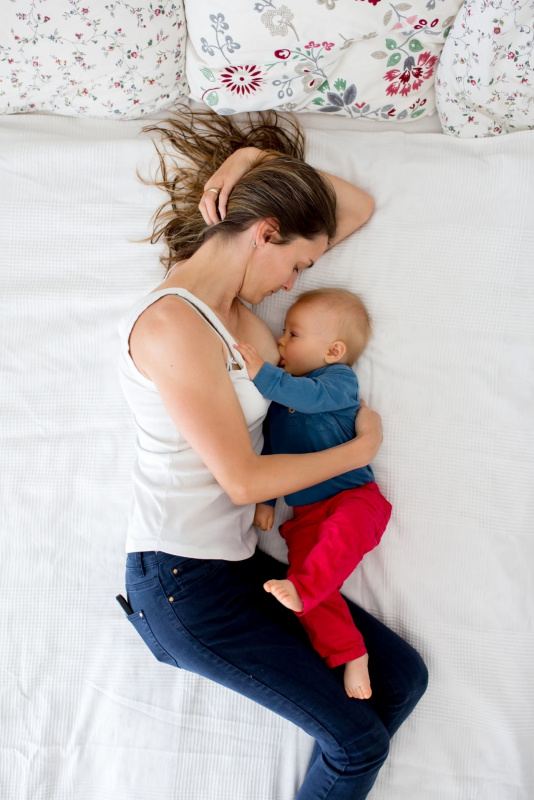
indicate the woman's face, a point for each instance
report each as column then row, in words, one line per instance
column 276, row 266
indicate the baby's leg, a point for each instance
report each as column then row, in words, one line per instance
column 333, row 634
column 330, row 538
column 301, row 534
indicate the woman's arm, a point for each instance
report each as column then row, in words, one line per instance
column 354, row 206
column 183, row 357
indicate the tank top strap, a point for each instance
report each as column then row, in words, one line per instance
column 203, row 310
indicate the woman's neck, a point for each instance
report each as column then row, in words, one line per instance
column 214, row 274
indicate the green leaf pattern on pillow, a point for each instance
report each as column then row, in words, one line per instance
column 378, row 62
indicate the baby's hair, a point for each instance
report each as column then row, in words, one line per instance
column 351, row 316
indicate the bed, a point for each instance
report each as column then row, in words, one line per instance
column 445, row 266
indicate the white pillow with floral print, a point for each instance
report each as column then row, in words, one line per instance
column 91, row 57
column 485, row 81
column 356, row 58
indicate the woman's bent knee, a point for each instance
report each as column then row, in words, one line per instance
column 370, row 751
column 363, row 754
column 367, row 754
column 410, row 686
column 418, row 679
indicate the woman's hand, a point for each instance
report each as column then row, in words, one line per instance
column 369, row 427
column 212, row 205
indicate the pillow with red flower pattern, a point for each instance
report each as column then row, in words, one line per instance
column 96, row 58
column 369, row 59
column 485, row 80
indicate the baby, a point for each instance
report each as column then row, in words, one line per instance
column 315, row 400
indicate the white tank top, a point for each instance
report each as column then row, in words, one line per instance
column 177, row 505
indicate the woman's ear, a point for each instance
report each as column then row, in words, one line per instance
column 336, row 351
column 266, row 229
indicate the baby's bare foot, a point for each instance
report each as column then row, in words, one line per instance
column 356, row 678
column 285, row 593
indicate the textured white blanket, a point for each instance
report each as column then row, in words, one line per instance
column 445, row 266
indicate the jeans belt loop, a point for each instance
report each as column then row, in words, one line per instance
column 139, row 566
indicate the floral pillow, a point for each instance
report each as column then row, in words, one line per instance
column 485, row 82
column 91, row 57
column 369, row 59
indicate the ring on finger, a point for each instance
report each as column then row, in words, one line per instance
column 215, row 191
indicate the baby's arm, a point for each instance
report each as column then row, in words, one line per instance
column 334, row 389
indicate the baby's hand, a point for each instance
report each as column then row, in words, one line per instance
column 264, row 516
column 251, row 358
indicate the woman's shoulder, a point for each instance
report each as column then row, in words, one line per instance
column 167, row 327
column 165, row 313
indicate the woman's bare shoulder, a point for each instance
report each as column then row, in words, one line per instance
column 256, row 332
column 169, row 324
column 163, row 314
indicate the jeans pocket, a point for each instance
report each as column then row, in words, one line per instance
column 142, row 626
column 179, row 575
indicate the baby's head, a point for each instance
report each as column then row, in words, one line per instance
column 323, row 326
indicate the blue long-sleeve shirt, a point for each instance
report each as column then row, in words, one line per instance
column 308, row 414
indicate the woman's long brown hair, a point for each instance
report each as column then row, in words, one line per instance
column 194, row 144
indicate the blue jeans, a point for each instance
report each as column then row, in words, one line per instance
column 214, row 618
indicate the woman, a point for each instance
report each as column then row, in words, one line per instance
column 194, row 576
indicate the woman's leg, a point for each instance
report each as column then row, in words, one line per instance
column 399, row 677
column 214, row 619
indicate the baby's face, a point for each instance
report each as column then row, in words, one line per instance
column 308, row 332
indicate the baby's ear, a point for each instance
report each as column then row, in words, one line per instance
column 336, row 351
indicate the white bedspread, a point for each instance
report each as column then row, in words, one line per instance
column 445, row 266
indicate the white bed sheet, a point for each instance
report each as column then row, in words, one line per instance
column 445, row 265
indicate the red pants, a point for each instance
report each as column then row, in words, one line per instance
column 326, row 540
